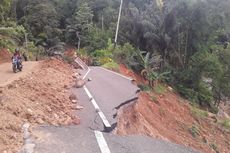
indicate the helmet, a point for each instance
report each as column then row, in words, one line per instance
column 17, row 50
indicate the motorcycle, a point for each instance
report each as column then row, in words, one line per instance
column 16, row 64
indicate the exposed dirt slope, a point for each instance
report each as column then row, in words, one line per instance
column 5, row 56
column 167, row 116
column 39, row 98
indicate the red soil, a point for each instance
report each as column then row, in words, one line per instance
column 125, row 71
column 41, row 97
column 5, row 56
column 167, row 116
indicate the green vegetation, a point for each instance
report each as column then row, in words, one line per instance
column 182, row 43
column 194, row 131
column 7, row 43
column 198, row 112
column 225, row 123
column 144, row 87
column 214, row 147
column 112, row 66
column 159, row 89
column 154, row 98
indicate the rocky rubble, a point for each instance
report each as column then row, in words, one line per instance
column 39, row 98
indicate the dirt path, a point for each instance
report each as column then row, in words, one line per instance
column 7, row 75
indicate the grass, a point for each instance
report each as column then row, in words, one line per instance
column 144, row 87
column 198, row 112
column 194, row 131
column 225, row 123
column 154, row 98
column 214, row 147
column 159, row 89
column 112, row 66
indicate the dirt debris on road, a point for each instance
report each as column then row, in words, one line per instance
column 39, row 98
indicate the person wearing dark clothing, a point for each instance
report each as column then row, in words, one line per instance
column 17, row 56
column 25, row 56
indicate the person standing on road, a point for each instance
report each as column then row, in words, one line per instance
column 25, row 56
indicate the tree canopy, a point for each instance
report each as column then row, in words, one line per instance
column 191, row 37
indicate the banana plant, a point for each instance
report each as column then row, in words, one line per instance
column 149, row 63
column 154, row 77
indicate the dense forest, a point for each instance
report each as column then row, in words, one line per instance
column 184, row 43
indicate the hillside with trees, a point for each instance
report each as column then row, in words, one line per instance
column 181, row 43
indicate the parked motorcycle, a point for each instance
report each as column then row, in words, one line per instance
column 16, row 64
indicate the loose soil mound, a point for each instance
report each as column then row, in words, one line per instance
column 167, row 116
column 41, row 98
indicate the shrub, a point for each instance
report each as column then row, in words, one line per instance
column 144, row 87
column 34, row 51
column 194, row 131
column 153, row 77
column 198, row 113
column 214, row 147
column 188, row 93
column 159, row 89
column 82, row 52
column 154, row 98
column 7, row 43
column 226, row 123
column 123, row 54
column 101, row 56
column 9, row 24
column 111, row 65
column 205, row 95
column 17, row 32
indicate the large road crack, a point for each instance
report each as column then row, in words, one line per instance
column 114, row 125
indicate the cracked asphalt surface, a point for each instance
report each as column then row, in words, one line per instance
column 110, row 91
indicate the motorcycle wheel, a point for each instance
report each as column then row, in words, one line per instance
column 14, row 68
column 20, row 69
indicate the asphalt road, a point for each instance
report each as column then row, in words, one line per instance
column 109, row 91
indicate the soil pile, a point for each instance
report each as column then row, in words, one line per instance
column 39, row 98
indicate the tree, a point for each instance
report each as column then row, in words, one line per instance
column 5, row 6
column 181, row 32
column 39, row 16
column 80, row 24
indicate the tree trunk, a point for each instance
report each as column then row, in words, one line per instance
column 79, row 41
column 79, row 44
column 102, row 22
column 186, row 48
